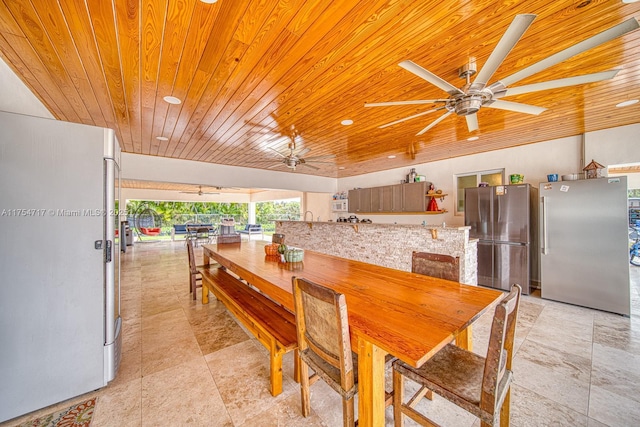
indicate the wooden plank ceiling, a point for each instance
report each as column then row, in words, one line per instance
column 249, row 72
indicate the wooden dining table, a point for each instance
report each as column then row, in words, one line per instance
column 407, row 315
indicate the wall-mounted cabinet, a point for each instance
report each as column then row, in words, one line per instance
column 398, row 198
column 360, row 200
column 386, row 199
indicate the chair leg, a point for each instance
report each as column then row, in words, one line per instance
column 348, row 412
column 304, row 388
column 504, row 411
column 398, row 393
column 193, row 286
column 296, row 366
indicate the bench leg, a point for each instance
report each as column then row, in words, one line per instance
column 205, row 292
column 275, row 373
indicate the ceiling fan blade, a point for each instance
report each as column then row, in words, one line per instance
column 409, row 118
column 515, row 106
column 518, row 26
column 322, row 157
column 606, row 35
column 278, row 153
column 303, row 152
column 309, row 166
column 472, row 122
column 416, row 102
column 569, row 81
column 430, row 77
column 435, row 122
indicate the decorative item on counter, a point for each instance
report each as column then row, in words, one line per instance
column 421, row 178
column 553, row 177
column 517, row 178
column 272, row 258
column 593, row 170
column 432, row 189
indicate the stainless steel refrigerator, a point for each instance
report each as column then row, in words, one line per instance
column 584, row 243
column 500, row 218
column 60, row 325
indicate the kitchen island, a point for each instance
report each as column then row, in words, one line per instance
column 388, row 245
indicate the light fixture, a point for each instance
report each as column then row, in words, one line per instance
column 162, row 138
column 473, row 138
column 341, row 167
column 391, row 157
column 209, row 1
column 346, row 122
column 627, row 103
column 172, row 100
column 629, row 1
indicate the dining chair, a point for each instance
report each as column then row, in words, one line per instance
column 194, row 274
column 479, row 385
column 324, row 345
column 436, row 265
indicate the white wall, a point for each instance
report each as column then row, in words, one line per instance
column 16, row 97
column 562, row 156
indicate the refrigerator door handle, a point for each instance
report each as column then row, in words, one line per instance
column 107, row 251
column 544, row 226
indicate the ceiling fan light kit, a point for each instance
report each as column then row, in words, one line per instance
column 468, row 100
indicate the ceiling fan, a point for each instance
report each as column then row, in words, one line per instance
column 292, row 159
column 200, row 192
column 469, row 99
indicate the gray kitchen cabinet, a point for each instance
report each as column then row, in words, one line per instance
column 360, row 200
column 391, row 198
column 413, row 197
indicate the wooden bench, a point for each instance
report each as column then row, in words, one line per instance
column 273, row 325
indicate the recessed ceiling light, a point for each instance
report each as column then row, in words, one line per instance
column 629, row 1
column 162, row 138
column 627, row 103
column 347, row 122
column 341, row 167
column 172, row 100
column 473, row 138
column 391, row 157
column 208, row 1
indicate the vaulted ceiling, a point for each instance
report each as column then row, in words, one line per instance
column 253, row 75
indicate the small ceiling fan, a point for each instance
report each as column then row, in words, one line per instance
column 200, row 192
column 469, row 99
column 292, row 159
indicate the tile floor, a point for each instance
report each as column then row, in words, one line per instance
column 188, row 364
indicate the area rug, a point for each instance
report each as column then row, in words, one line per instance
column 78, row 415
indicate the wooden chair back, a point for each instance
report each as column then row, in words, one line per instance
column 192, row 260
column 194, row 274
column 436, row 265
column 500, row 351
column 323, row 331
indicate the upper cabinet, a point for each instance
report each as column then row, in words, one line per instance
column 407, row 198
column 360, row 200
column 413, row 197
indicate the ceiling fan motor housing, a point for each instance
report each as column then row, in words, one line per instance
column 468, row 104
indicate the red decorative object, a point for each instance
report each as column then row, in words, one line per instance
column 433, row 205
